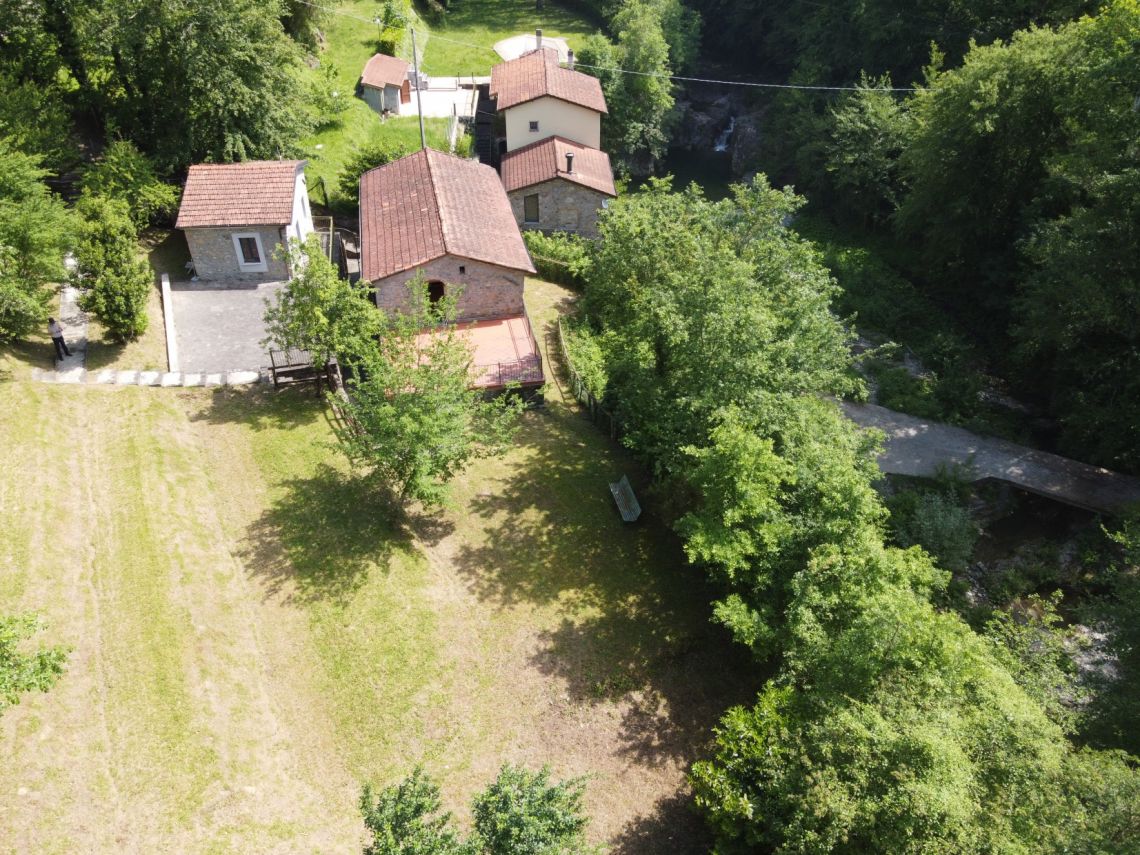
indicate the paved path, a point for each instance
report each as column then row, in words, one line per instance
column 918, row 447
column 74, row 323
column 220, row 325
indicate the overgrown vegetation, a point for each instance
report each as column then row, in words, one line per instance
column 20, row 671
column 560, row 257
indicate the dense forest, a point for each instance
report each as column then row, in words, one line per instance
column 988, row 217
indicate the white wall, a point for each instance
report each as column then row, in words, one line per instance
column 302, row 224
column 555, row 118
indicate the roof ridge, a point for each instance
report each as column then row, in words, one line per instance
column 443, row 230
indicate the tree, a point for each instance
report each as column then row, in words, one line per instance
column 412, row 422
column 317, row 311
column 523, row 813
column 35, row 232
column 114, row 281
column 192, row 81
column 363, row 159
column 123, row 172
column 22, row 672
column 869, row 132
column 405, row 819
column 640, row 104
column 520, row 813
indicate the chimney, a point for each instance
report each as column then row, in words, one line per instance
column 538, row 39
column 570, row 163
column 570, row 59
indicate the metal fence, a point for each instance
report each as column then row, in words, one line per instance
column 598, row 414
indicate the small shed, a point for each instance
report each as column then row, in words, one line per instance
column 235, row 215
column 384, row 84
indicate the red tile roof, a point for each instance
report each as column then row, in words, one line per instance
column 431, row 204
column 255, row 193
column 538, row 73
column 545, row 160
column 383, row 70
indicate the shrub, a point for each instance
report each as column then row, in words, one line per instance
column 126, row 174
column 560, row 257
column 114, row 280
column 522, row 813
column 937, row 523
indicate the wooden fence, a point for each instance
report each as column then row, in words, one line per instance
column 598, row 414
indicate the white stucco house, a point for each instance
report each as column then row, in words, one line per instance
column 539, row 98
column 235, row 215
column 384, row 84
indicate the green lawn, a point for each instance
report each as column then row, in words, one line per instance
column 252, row 636
column 481, row 23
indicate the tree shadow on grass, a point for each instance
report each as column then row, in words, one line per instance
column 322, row 538
column 262, row 407
column 637, row 615
column 672, row 826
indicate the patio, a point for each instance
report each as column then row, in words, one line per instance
column 219, row 325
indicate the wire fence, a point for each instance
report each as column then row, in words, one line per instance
column 598, row 414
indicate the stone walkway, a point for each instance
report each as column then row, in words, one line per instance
column 918, row 447
column 72, row 369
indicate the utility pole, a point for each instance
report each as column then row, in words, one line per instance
column 419, row 101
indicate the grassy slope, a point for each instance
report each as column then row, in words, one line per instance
column 252, row 638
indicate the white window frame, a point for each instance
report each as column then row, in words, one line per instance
column 259, row 267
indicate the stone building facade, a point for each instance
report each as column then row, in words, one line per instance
column 563, row 206
column 214, row 251
column 485, row 290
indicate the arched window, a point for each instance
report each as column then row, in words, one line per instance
column 435, row 290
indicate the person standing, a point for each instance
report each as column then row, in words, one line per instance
column 56, row 331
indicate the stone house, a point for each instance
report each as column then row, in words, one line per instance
column 236, row 215
column 539, row 98
column 558, row 185
column 384, row 84
column 449, row 218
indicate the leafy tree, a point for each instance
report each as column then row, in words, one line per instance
column 35, row 232
column 22, row 672
column 523, row 813
column 1035, row 647
column 870, row 129
column 126, row 174
column 411, row 420
column 34, row 117
column 405, row 819
column 303, row 21
column 193, row 81
column 640, row 105
column 115, row 282
column 317, row 311
column 363, row 159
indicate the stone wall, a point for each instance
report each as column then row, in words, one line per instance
column 563, row 206
column 488, row 291
column 215, row 257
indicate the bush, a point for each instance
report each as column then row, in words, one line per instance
column 127, row 175
column 937, row 523
column 560, row 257
column 114, row 280
column 522, row 813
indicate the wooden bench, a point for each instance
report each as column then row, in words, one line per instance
column 625, row 500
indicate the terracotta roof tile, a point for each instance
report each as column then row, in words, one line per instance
column 537, row 74
column 383, row 70
column 256, row 193
column 545, row 160
column 431, row 204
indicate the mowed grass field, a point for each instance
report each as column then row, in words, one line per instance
column 252, row 638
